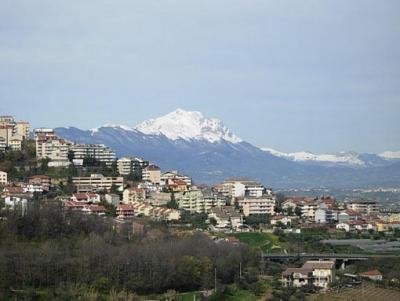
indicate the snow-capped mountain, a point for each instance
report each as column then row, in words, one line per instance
column 208, row 151
column 338, row 159
column 186, row 125
column 388, row 155
column 349, row 158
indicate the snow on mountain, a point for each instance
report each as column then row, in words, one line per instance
column 187, row 125
column 390, row 155
column 348, row 158
column 112, row 125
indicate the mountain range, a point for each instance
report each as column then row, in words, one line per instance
column 208, row 151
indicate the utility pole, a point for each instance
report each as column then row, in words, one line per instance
column 215, row 279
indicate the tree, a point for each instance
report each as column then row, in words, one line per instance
column 297, row 211
column 71, row 155
column 173, row 204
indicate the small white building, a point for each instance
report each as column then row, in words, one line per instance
column 3, row 178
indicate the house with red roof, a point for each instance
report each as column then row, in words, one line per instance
column 373, row 275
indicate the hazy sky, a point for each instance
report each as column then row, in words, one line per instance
column 322, row 76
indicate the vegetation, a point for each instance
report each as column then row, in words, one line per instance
column 266, row 242
column 361, row 293
column 48, row 249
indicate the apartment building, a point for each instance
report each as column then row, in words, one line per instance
column 237, row 188
column 3, row 178
column 175, row 175
column 194, row 201
column 364, row 207
column 3, row 144
column 12, row 133
column 152, row 174
column 132, row 166
column 258, row 205
column 49, row 146
column 308, row 206
column 226, row 217
column 97, row 182
column 132, row 195
column 40, row 180
column 99, row 152
column 22, row 128
column 325, row 216
column 313, row 272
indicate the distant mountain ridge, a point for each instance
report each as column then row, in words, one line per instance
column 207, row 150
column 339, row 159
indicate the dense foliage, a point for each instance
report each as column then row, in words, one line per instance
column 50, row 248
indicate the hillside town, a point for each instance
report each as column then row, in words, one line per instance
column 90, row 179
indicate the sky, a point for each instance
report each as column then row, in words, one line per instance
column 320, row 76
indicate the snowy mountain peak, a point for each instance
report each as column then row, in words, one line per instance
column 188, row 125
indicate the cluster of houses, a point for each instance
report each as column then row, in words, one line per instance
column 227, row 204
column 141, row 188
column 352, row 216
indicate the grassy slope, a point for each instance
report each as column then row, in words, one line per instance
column 267, row 242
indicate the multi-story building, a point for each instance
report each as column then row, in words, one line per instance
column 3, row 144
column 226, row 217
column 131, row 195
column 259, row 205
column 364, row 207
column 308, row 206
column 22, row 128
column 3, row 178
column 174, row 175
column 194, row 201
column 152, row 173
column 13, row 133
column 54, row 149
column 132, row 166
column 40, row 180
column 97, row 182
column 238, row 188
column 325, row 216
column 44, row 133
column 318, row 273
column 99, row 152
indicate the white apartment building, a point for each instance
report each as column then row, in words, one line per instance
column 308, row 206
column 152, row 173
column 364, row 207
column 99, row 152
column 97, row 182
column 241, row 188
column 173, row 175
column 131, row 165
column 132, row 195
column 261, row 205
column 194, row 201
column 53, row 148
column 3, row 178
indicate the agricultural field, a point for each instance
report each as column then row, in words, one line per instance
column 366, row 293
